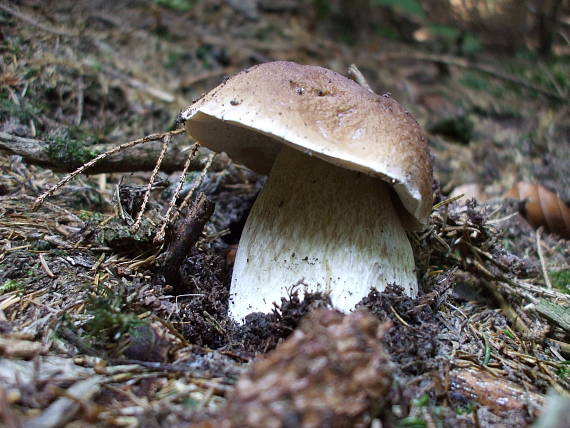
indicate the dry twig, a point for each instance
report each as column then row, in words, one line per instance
column 165, row 142
column 358, row 77
column 541, row 258
column 188, row 197
column 167, row 220
column 153, row 137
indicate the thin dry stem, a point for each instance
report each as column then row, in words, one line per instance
column 447, row 202
column 358, row 77
column 507, row 309
column 165, row 142
column 196, row 185
column 160, row 234
column 152, row 137
column 541, row 258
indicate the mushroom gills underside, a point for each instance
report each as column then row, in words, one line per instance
column 324, row 228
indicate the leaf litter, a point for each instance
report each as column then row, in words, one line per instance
column 90, row 333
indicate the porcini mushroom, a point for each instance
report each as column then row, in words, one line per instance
column 349, row 172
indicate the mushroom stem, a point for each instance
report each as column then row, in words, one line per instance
column 334, row 229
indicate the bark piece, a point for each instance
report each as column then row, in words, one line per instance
column 499, row 395
column 185, row 237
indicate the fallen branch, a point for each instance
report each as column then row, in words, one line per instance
column 138, row 158
column 496, row 394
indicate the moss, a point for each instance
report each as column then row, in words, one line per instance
column 466, row 409
column 422, row 401
column 407, row 7
column 564, row 369
column 476, row 81
column 90, row 216
column 190, row 403
column 69, row 150
column 181, row 5
column 411, row 422
column 108, row 320
column 59, row 252
column 117, row 235
column 550, row 74
column 11, row 285
column 561, row 280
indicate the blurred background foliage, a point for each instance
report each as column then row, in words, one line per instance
column 459, row 26
column 446, row 26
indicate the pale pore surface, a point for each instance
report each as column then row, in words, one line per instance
column 332, row 228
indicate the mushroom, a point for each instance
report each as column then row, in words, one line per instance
column 349, row 173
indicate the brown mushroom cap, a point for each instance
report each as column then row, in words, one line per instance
column 323, row 114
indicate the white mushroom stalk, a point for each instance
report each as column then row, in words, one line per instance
column 332, row 228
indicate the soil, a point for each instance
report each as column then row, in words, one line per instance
column 84, row 302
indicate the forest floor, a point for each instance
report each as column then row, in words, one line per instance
column 91, row 335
